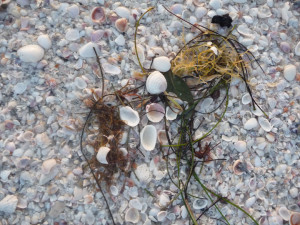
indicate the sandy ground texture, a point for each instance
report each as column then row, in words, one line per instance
column 48, row 71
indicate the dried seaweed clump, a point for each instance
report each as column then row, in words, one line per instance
column 210, row 56
column 106, row 129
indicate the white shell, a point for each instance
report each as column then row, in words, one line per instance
column 289, row 72
column 156, row 83
column 111, row 69
column 215, row 4
column 250, row 201
column 200, row 203
column 44, row 41
column 141, row 54
column 114, row 190
column 31, row 53
column 200, row 12
column 132, row 215
column 246, row 99
column 265, row 124
column 87, row 51
column 284, row 213
column 251, row 124
column 102, row 153
column 72, row 34
column 135, row 203
column 48, row 165
column 8, row 204
column 297, row 49
column 148, row 137
column 121, row 24
column 73, row 11
column 161, row 216
column 171, row 113
column 240, row 146
column 163, row 200
column 155, row 112
column 143, row 173
column 122, row 11
column 162, row 64
column 20, row 88
column 244, row 30
column 120, row 40
column 97, row 35
column 130, row 116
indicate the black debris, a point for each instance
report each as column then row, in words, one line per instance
column 223, row 21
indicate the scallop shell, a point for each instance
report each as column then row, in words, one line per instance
column 295, row 218
column 130, row 116
column 101, row 155
column 98, row 15
column 121, row 24
column 156, row 83
column 155, row 112
column 148, row 137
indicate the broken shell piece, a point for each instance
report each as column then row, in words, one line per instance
column 297, row 49
column 132, row 215
column 162, row 137
column 200, row 203
column 164, row 200
column 9, row 204
column 98, row 15
column 143, row 173
column 130, row 116
column 295, row 218
column 101, row 155
column 155, row 112
column 121, row 24
column 156, row 83
column 238, row 167
column 161, row 216
column 48, row 165
column 148, row 137
column 171, row 113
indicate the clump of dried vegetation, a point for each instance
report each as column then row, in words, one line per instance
column 203, row 67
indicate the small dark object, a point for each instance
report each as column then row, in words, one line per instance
column 223, row 21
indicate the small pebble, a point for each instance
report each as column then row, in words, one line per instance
column 289, row 72
column 251, row 124
column 44, row 41
column 162, row 64
column 31, row 53
column 240, row 146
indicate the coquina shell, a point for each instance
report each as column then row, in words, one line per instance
column 148, row 137
column 156, row 83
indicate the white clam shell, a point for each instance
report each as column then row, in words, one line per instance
column 284, row 213
column 297, row 49
column 289, row 72
column 163, row 200
column 143, row 173
column 44, row 41
column 114, row 190
column 295, row 218
column 162, row 64
column 240, row 146
column 8, row 204
column 148, row 137
column 72, row 34
column 132, row 215
column 161, row 216
column 121, row 24
column 101, row 155
column 135, row 203
column 200, row 203
column 73, row 11
column 87, row 51
column 97, row 35
column 251, row 124
column 111, row 69
column 130, row 116
column 31, row 53
column 265, row 124
column 155, row 112
column 246, row 99
column 250, row 201
column 156, row 83
column 122, row 11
